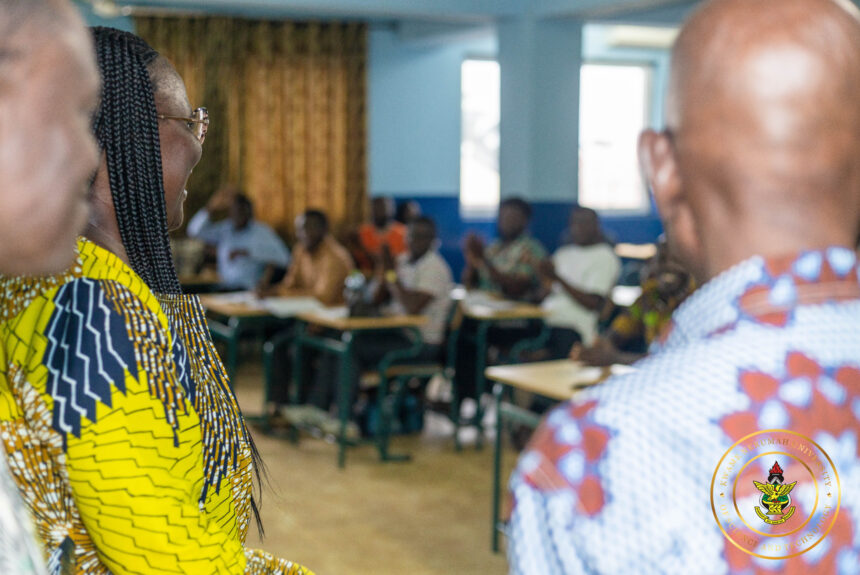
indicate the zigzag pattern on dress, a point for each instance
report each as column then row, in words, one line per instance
column 88, row 351
column 226, row 446
column 183, row 372
column 150, row 345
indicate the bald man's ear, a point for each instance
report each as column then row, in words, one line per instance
column 660, row 167
column 657, row 158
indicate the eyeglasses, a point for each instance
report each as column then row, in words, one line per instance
column 199, row 122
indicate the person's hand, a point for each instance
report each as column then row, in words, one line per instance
column 386, row 259
column 264, row 290
column 222, row 199
column 547, row 269
column 474, row 249
column 601, row 354
column 242, row 253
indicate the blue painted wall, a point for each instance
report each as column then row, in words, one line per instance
column 414, row 135
column 414, row 111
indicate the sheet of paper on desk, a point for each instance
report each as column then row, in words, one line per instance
column 332, row 312
column 290, row 306
column 247, row 298
column 594, row 375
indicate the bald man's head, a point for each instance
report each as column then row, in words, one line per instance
column 762, row 151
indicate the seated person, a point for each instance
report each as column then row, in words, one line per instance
column 665, row 285
column 319, row 269
column 581, row 277
column 320, row 264
column 366, row 244
column 248, row 252
column 407, row 212
column 508, row 266
column 419, row 282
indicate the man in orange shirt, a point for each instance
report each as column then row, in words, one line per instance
column 384, row 230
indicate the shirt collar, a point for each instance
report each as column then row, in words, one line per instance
column 765, row 290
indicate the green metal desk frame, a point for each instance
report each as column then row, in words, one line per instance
column 343, row 349
column 230, row 329
column 505, row 413
column 481, row 345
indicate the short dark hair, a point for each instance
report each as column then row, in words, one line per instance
column 425, row 221
column 319, row 216
column 244, row 201
column 518, row 204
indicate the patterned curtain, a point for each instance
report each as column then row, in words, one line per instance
column 287, row 102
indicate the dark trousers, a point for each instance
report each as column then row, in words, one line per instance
column 282, row 370
column 368, row 348
column 560, row 341
column 503, row 337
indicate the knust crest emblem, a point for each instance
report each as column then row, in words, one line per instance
column 775, row 498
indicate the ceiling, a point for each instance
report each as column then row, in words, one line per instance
column 450, row 11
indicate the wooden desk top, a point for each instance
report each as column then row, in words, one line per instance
column 487, row 307
column 240, row 304
column 636, row 251
column 204, row 278
column 554, row 379
column 335, row 318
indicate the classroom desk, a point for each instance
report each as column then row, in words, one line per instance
column 234, row 314
column 642, row 252
column 559, row 380
column 207, row 281
column 335, row 320
column 487, row 311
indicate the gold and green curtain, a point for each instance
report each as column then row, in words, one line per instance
column 288, row 105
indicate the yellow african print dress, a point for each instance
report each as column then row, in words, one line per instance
column 121, row 432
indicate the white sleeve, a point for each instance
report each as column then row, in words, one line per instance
column 435, row 278
column 202, row 228
column 269, row 249
column 602, row 275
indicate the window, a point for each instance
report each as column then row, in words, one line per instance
column 614, row 104
column 479, row 138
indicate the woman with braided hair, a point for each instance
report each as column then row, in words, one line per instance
column 122, row 432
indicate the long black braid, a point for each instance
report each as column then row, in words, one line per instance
column 126, row 126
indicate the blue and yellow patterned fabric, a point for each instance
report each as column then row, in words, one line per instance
column 121, row 432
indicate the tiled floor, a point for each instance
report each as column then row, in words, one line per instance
column 427, row 516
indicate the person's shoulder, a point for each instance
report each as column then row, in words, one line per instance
column 435, row 259
column 532, row 244
column 337, row 250
column 607, row 250
column 567, row 250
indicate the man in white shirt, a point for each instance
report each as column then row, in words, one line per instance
column 581, row 276
column 419, row 282
column 249, row 253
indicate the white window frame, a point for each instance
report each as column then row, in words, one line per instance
column 477, row 210
column 647, row 113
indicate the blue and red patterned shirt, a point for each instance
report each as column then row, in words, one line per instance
column 621, row 480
